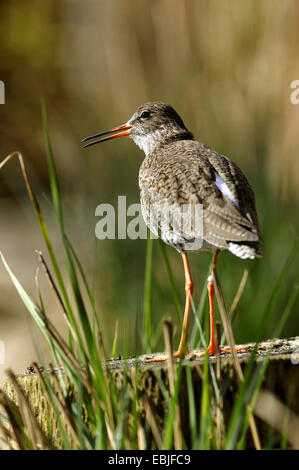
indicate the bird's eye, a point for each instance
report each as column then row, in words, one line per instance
column 145, row 114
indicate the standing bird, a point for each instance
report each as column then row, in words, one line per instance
column 179, row 172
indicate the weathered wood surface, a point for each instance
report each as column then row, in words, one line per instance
column 282, row 349
column 281, row 378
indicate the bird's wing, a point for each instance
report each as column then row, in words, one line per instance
column 237, row 194
column 197, row 174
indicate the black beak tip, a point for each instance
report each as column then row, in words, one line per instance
column 87, row 145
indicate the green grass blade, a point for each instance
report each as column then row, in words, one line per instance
column 261, row 372
column 84, row 279
column 239, row 410
column 192, row 408
column 257, row 380
column 197, row 337
column 174, row 290
column 276, row 290
column 90, row 339
column 205, row 415
column 286, row 312
column 30, row 305
column 168, row 426
column 51, row 168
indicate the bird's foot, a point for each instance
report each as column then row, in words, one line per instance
column 211, row 350
column 176, row 355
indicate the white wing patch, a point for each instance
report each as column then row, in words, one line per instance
column 242, row 251
column 221, row 184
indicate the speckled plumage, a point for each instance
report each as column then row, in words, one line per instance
column 179, row 170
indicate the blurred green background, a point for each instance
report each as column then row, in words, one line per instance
column 225, row 66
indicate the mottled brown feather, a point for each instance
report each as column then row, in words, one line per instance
column 182, row 172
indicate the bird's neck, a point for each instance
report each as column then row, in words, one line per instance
column 150, row 142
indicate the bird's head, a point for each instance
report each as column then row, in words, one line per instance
column 150, row 124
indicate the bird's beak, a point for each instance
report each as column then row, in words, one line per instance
column 121, row 131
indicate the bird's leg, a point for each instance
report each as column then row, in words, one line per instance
column 211, row 350
column 211, row 290
column 183, row 349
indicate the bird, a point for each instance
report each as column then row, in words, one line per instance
column 179, row 172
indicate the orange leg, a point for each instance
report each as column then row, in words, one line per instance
column 211, row 350
column 183, row 349
column 212, row 345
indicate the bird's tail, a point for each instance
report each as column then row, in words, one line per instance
column 246, row 249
